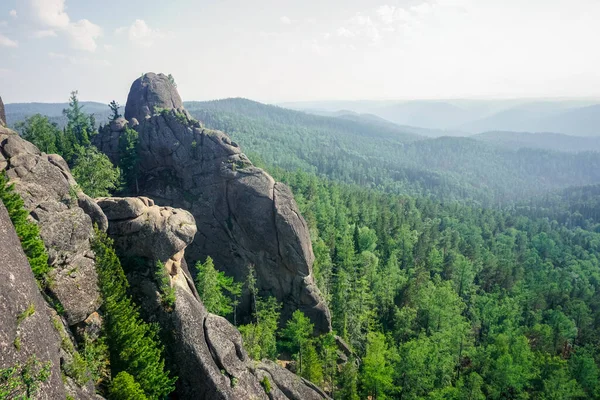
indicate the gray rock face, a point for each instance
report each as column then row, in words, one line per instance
column 149, row 92
column 205, row 351
column 65, row 218
column 36, row 335
column 243, row 216
column 2, row 114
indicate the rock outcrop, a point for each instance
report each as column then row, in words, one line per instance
column 25, row 336
column 142, row 229
column 2, row 114
column 204, row 350
column 65, row 217
column 152, row 93
column 243, row 216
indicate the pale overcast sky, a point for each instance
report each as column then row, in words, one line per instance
column 284, row 50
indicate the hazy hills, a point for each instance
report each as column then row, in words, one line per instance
column 580, row 118
column 369, row 150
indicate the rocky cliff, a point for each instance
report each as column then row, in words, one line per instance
column 242, row 215
column 204, row 350
column 25, row 338
column 65, row 217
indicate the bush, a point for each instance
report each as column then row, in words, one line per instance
column 27, row 231
column 124, row 387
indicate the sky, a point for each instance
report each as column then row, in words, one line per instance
column 284, row 50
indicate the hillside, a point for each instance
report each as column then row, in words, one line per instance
column 19, row 111
column 381, row 156
column 545, row 141
column 572, row 117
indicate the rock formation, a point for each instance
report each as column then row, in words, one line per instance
column 243, row 216
column 2, row 114
column 204, row 350
column 65, row 217
column 22, row 339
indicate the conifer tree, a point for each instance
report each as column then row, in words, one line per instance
column 134, row 345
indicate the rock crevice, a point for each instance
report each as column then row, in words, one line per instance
column 242, row 215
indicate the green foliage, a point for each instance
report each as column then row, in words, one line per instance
column 167, row 292
column 128, row 162
column 77, row 369
column 260, row 337
column 41, row 132
column 297, row 338
column 80, row 126
column 133, row 344
column 22, row 382
column 172, row 80
column 114, row 109
column 94, row 172
column 218, row 292
column 124, row 387
column 266, row 384
column 376, row 370
column 384, row 156
column 27, row 231
column 448, row 301
column 29, row 311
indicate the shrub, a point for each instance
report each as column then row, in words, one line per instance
column 27, row 231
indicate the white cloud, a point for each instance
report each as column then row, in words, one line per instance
column 13, row 13
column 344, row 32
column 360, row 26
column 6, row 42
column 108, row 47
column 44, row 33
column 391, row 14
column 285, row 20
column 83, row 35
column 141, row 34
column 51, row 17
column 49, row 13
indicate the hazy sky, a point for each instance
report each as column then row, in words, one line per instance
column 283, row 50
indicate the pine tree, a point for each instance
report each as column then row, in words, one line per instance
column 212, row 286
column 114, row 108
column 133, row 344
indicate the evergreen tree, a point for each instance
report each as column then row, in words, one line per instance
column 128, row 159
column 38, row 130
column 212, row 286
column 114, row 108
column 79, row 124
column 134, row 345
column 297, row 337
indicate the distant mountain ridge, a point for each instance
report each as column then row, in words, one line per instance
column 543, row 140
column 572, row 117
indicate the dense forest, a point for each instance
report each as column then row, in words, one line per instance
column 373, row 154
column 437, row 298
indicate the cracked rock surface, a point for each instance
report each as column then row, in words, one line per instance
column 243, row 216
column 65, row 218
column 35, row 333
column 204, row 350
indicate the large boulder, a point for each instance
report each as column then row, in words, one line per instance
column 65, row 216
column 143, row 229
column 25, row 337
column 244, row 217
column 152, row 93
